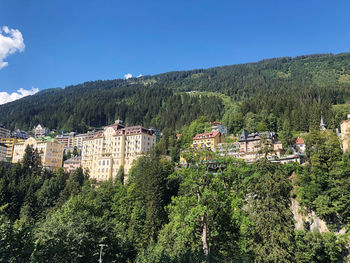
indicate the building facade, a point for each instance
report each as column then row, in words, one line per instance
column 72, row 164
column 10, row 143
column 208, row 140
column 105, row 152
column 299, row 145
column 40, row 131
column 72, row 140
column 51, row 152
column 250, row 145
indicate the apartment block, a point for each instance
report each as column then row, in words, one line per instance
column 51, row 152
column 10, row 143
column 72, row 140
column 116, row 146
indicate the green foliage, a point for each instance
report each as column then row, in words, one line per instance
column 271, row 235
column 217, row 209
column 316, row 247
column 323, row 184
column 139, row 205
column 207, row 213
column 16, row 241
column 73, row 233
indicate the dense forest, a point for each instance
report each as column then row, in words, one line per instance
column 235, row 212
column 257, row 96
column 162, row 213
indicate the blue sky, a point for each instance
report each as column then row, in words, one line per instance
column 69, row 42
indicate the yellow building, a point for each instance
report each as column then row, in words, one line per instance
column 208, row 140
column 345, row 133
column 10, row 143
column 105, row 152
column 51, row 152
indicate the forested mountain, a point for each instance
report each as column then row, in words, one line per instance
column 266, row 93
column 165, row 213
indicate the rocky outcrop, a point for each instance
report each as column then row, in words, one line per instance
column 309, row 220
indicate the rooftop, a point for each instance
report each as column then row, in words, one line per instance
column 215, row 122
column 246, row 136
column 206, row 135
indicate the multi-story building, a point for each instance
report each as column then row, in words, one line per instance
column 19, row 134
column 345, row 133
column 72, row 140
column 10, row 143
column 4, row 133
column 40, row 131
column 116, row 146
column 219, row 127
column 79, row 139
column 72, row 164
column 63, row 139
column 51, row 152
column 208, row 140
column 250, row 144
column 3, row 151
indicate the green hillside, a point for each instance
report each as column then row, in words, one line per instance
column 264, row 94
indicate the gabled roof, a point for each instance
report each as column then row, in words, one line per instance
column 244, row 135
column 206, row 135
column 72, row 159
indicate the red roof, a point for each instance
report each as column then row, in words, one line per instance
column 205, row 135
column 215, row 122
column 299, row 141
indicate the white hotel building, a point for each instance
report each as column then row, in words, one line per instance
column 105, row 152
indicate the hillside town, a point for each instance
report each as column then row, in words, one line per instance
column 107, row 151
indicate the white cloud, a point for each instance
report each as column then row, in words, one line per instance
column 139, row 76
column 128, row 76
column 11, row 41
column 6, row 97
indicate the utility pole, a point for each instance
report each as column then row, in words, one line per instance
column 101, row 247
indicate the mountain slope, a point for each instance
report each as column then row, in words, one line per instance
column 268, row 92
